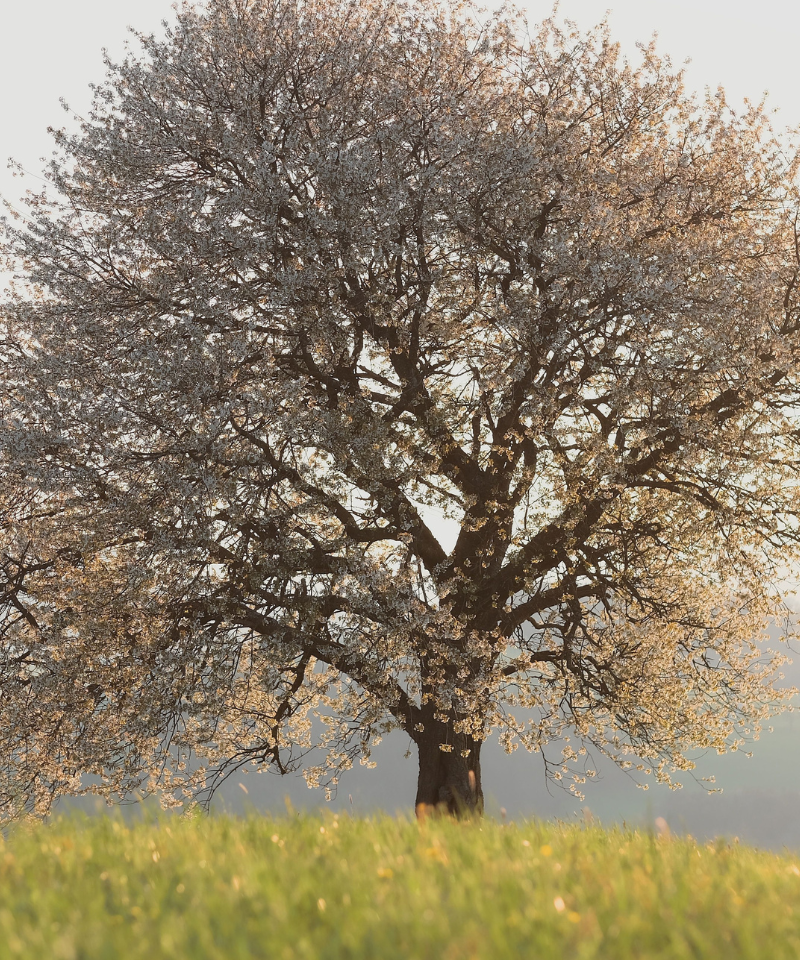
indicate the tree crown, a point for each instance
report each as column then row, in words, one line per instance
column 394, row 367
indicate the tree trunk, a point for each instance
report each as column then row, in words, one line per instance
column 449, row 780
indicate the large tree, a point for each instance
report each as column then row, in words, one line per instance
column 373, row 366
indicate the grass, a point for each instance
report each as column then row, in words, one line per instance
column 379, row 889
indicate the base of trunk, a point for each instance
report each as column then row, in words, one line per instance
column 449, row 780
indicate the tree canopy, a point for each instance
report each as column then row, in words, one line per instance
column 389, row 365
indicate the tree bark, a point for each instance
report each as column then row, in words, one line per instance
column 449, row 780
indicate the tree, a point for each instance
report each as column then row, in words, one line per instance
column 373, row 366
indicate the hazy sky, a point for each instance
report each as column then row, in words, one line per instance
column 51, row 49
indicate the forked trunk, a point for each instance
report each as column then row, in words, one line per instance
column 449, row 779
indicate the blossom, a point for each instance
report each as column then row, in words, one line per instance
column 363, row 376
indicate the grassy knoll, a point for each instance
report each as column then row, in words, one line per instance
column 304, row 887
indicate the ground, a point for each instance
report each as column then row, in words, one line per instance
column 336, row 887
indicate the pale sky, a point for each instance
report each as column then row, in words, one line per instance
column 51, row 49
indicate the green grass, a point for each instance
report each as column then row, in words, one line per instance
column 306, row 887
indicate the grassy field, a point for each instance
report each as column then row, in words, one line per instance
column 304, row 887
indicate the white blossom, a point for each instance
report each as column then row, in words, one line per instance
column 311, row 273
